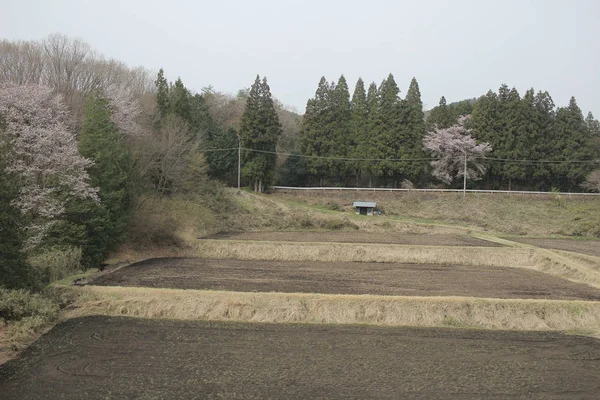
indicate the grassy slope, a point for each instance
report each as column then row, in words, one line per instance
column 506, row 214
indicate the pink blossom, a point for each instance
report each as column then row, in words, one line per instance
column 44, row 151
column 452, row 145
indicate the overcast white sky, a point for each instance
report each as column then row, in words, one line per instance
column 459, row 49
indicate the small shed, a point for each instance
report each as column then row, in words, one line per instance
column 365, row 207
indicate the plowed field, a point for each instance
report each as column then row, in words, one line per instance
column 123, row 358
column 591, row 247
column 358, row 237
column 346, row 278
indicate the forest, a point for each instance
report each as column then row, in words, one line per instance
column 85, row 141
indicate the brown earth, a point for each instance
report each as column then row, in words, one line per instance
column 591, row 247
column 357, row 237
column 346, row 278
column 125, row 358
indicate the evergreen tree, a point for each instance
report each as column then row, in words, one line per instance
column 259, row 130
column 593, row 125
column 386, row 129
column 339, row 130
column 572, row 139
column 98, row 228
column 359, row 128
column 179, row 102
column 223, row 164
column 314, row 129
column 483, row 123
column 509, row 141
column 162, row 94
column 372, row 127
column 440, row 116
column 544, row 148
column 415, row 129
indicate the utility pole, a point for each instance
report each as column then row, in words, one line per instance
column 239, row 162
column 465, row 176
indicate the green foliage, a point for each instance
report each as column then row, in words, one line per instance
column 99, row 228
column 14, row 270
column 223, row 164
column 259, row 130
column 529, row 128
column 162, row 94
column 441, row 117
column 16, row 305
column 359, row 129
column 56, row 263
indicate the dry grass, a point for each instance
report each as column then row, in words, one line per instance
column 580, row 316
column 566, row 266
column 353, row 252
column 575, row 269
column 512, row 214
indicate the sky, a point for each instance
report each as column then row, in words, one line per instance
column 459, row 49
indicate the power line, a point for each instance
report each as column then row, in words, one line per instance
column 541, row 161
column 492, row 159
column 341, row 158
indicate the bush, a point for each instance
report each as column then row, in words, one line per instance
column 337, row 224
column 333, row 205
column 57, row 262
column 16, row 305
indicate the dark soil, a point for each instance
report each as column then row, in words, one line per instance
column 358, row 237
column 124, row 358
column 591, row 247
column 346, row 278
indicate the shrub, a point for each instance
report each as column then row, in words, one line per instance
column 57, row 262
column 333, row 205
column 16, row 305
column 337, row 224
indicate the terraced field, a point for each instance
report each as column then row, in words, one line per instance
column 346, row 278
column 590, row 247
column 218, row 325
column 358, row 237
column 125, row 358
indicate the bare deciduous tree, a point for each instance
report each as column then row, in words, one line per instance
column 170, row 156
column 70, row 67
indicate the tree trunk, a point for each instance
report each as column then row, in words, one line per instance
column 260, row 186
column 509, row 183
column 370, row 179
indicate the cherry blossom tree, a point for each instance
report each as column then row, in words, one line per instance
column 125, row 109
column 458, row 153
column 35, row 122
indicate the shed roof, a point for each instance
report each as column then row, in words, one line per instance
column 370, row 204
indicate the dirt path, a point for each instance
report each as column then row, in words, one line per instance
column 123, row 358
column 358, row 237
column 591, row 247
column 346, row 278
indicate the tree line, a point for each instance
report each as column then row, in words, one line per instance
column 376, row 138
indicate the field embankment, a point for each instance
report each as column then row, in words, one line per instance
column 517, row 314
